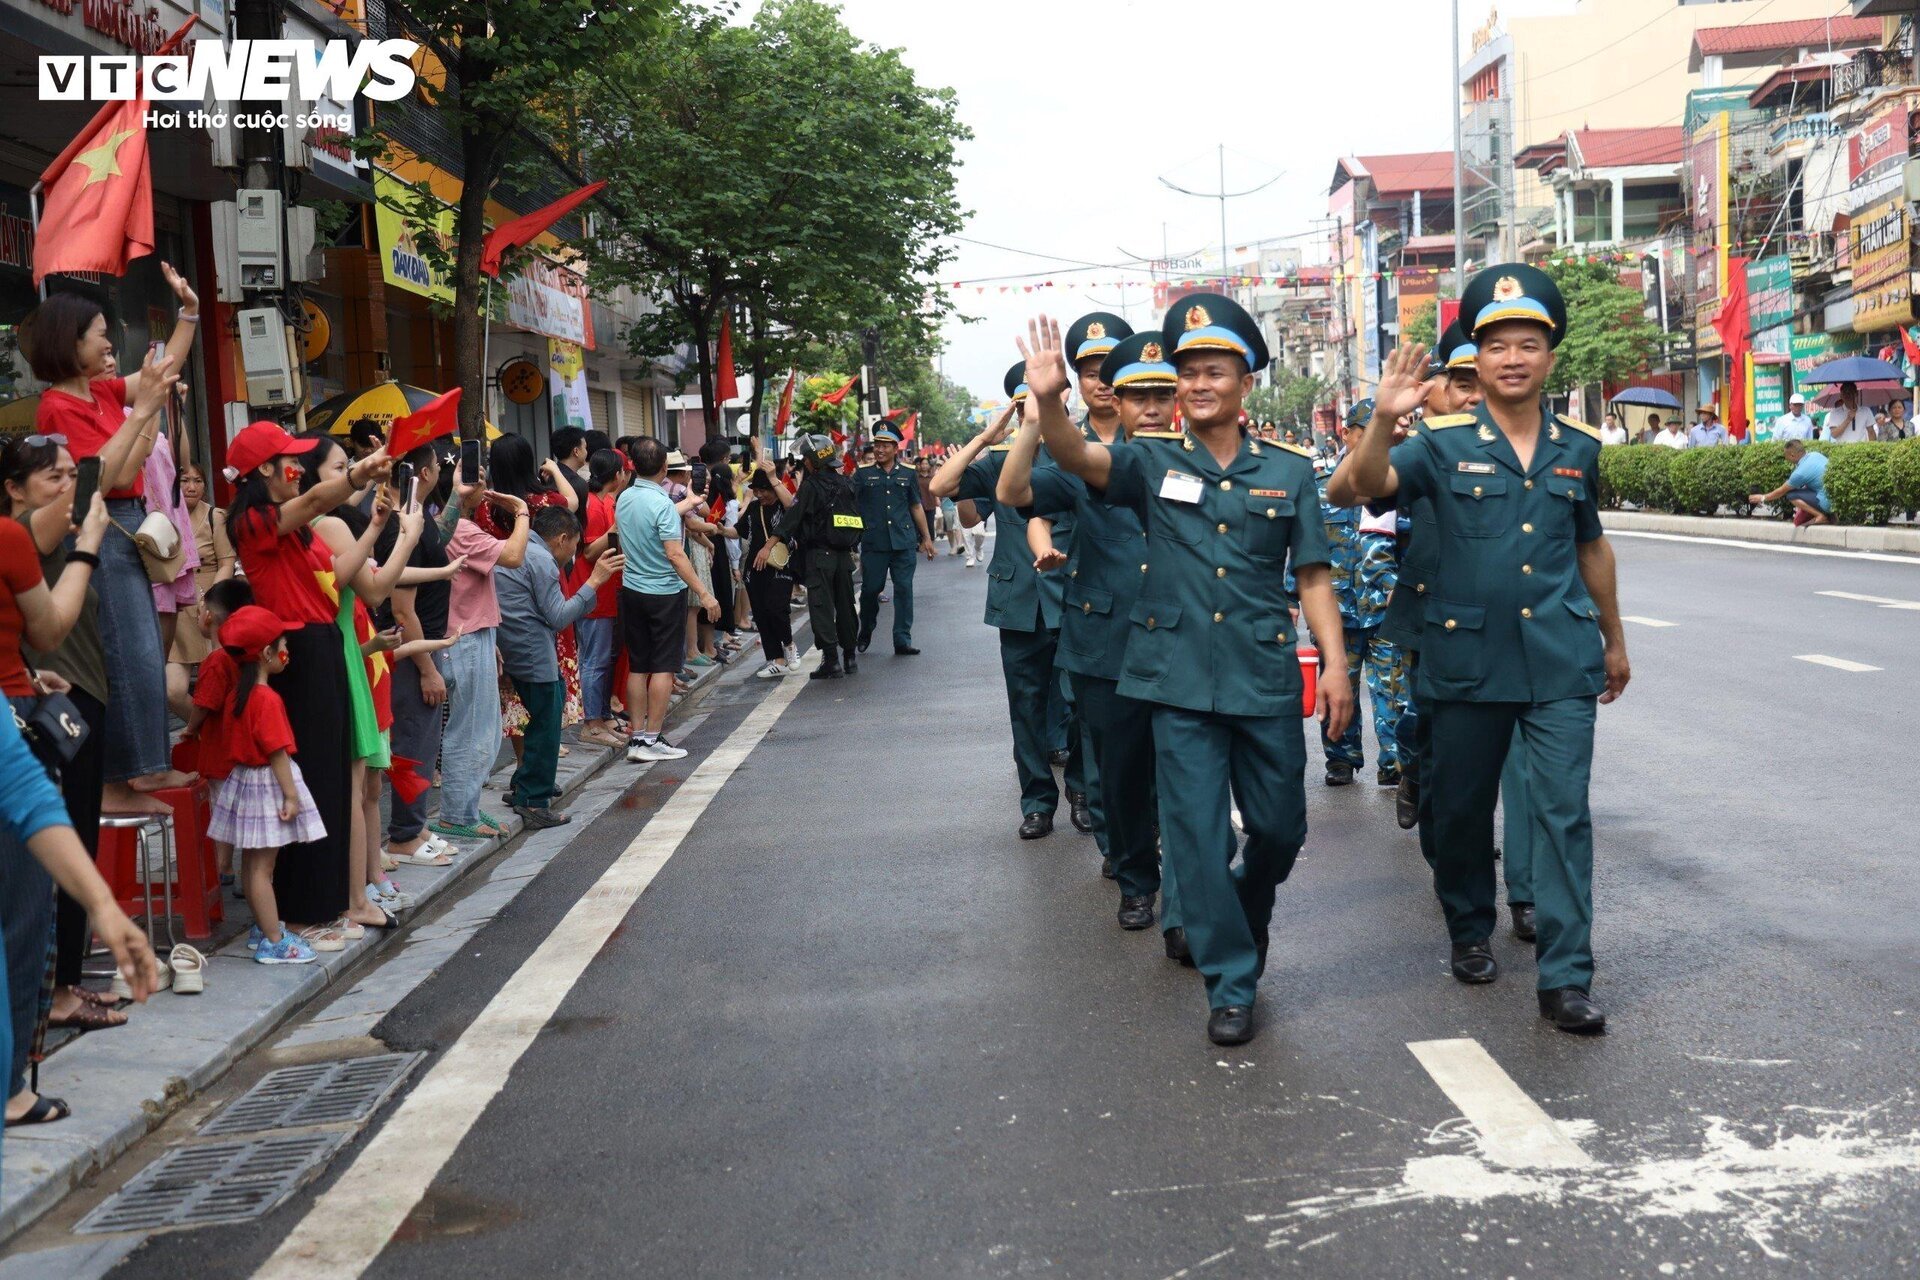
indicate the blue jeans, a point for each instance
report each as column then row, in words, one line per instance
column 595, row 638
column 472, row 740
column 136, row 730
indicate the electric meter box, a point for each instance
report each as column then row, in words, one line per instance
column 258, row 239
column 263, row 352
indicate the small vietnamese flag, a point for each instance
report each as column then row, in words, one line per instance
column 906, row 428
column 1912, row 348
column 404, row 775
column 726, row 387
column 98, row 212
column 786, row 404
column 438, row 417
column 841, row 394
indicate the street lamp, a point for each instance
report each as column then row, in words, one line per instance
column 1223, row 195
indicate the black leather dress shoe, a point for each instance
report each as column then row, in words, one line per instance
column 1473, row 962
column 905, row 651
column 851, row 661
column 1339, row 774
column 1406, row 802
column 1231, row 1025
column 1107, row 870
column 1569, row 1009
column 866, row 638
column 1177, row 949
column 1081, row 815
column 1058, row 759
column 828, row 669
column 1035, row 825
column 1136, row 913
column 1523, row 921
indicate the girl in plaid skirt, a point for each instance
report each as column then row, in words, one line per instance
column 264, row 802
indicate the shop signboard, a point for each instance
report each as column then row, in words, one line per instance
column 546, row 298
column 567, row 385
column 1882, row 263
column 402, row 264
column 1811, row 350
column 1879, row 146
column 1770, row 303
column 1769, row 391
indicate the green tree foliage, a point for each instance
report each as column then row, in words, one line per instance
column 1609, row 338
column 1424, row 328
column 782, row 167
column 1290, row 400
column 505, row 60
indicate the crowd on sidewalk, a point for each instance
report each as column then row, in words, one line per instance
column 310, row 661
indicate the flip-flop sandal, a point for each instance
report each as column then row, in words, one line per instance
column 189, row 970
column 472, row 832
column 424, row 856
column 86, row 995
column 44, row 1110
column 90, row 1017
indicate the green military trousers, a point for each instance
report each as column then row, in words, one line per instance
column 1119, row 733
column 1026, row 662
column 875, row 568
column 830, row 599
column 1471, row 742
column 1203, row 762
column 1516, row 824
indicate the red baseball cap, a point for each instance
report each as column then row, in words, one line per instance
column 251, row 629
column 260, row 442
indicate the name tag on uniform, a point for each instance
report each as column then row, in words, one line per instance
column 848, row 522
column 1477, row 468
column 1268, row 493
column 1572, row 473
column 1181, row 487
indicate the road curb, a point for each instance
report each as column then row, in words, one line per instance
column 1832, row 537
column 126, row 1082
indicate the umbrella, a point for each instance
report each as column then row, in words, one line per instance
column 1647, row 397
column 1873, row 395
column 1855, row 369
column 379, row 404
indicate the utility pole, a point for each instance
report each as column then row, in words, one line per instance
column 1224, row 268
column 1459, row 187
column 1222, row 195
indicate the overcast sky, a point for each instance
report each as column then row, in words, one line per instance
column 1078, row 108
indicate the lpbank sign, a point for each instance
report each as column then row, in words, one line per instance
column 242, row 71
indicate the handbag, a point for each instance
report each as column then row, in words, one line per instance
column 163, row 552
column 52, row 726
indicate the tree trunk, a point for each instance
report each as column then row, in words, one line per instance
column 758, row 369
column 698, row 316
column 479, row 153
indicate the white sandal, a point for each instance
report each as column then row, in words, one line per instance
column 189, row 970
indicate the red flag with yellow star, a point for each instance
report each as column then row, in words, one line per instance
column 97, row 214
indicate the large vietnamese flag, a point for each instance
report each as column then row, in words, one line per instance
column 98, row 210
column 509, row 236
column 726, row 387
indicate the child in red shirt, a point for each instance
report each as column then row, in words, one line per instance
column 212, row 690
column 264, row 803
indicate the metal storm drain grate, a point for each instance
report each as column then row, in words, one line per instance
column 213, row 1182
column 318, row 1093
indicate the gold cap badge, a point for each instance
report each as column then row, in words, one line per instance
column 1197, row 318
column 1096, row 330
column 1506, row 289
column 1151, row 353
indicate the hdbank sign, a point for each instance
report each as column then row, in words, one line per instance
column 402, row 264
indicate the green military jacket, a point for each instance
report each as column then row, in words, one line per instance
column 1104, row 569
column 1507, row 617
column 1419, row 564
column 887, row 501
column 1018, row 598
column 1212, row 630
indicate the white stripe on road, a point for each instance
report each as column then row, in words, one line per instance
column 1838, row 664
column 347, row 1227
column 1851, row 595
column 1646, row 622
column 1741, row 544
column 1513, row 1130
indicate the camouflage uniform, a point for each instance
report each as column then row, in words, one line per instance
column 1365, row 568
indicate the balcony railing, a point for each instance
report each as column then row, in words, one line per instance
column 1814, row 125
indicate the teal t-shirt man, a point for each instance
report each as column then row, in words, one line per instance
column 647, row 521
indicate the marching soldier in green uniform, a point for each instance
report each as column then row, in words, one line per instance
column 1024, row 609
column 1104, row 573
column 1211, row 644
column 824, row 520
column 894, row 526
column 1522, row 625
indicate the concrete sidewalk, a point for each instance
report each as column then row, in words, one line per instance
column 123, row 1083
column 1832, row 537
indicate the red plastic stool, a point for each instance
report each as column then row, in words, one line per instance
column 126, row 859
column 194, row 887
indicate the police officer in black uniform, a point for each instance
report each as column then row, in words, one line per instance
column 824, row 518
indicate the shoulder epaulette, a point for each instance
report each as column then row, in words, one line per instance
column 1000, row 448
column 1159, row 435
column 1579, row 426
column 1449, row 420
column 1293, row 448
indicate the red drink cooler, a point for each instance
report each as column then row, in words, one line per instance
column 1309, row 679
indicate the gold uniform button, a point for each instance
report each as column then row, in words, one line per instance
column 1219, row 617
column 1226, row 484
column 1526, row 613
column 1421, row 587
column 1271, row 513
column 1526, row 568
column 1143, row 568
column 1222, row 528
column 1477, row 491
column 1086, row 606
column 1526, row 528
column 1529, row 484
column 1282, row 637
column 1220, row 572
column 1151, row 624
column 1451, row 624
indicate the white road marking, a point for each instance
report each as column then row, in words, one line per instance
column 1513, row 1130
column 1743, row 545
column 348, row 1227
column 1838, row 664
column 1646, row 622
column 1852, row 595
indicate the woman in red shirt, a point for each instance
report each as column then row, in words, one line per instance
column 65, row 342
column 293, row 574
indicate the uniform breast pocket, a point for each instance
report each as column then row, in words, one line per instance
column 1150, row 643
column 1269, row 527
column 1277, row 668
column 1566, row 494
column 1182, row 522
column 1453, row 652
column 1590, row 649
column 1480, row 507
column 1094, row 607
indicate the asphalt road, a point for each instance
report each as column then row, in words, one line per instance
column 856, row 1027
